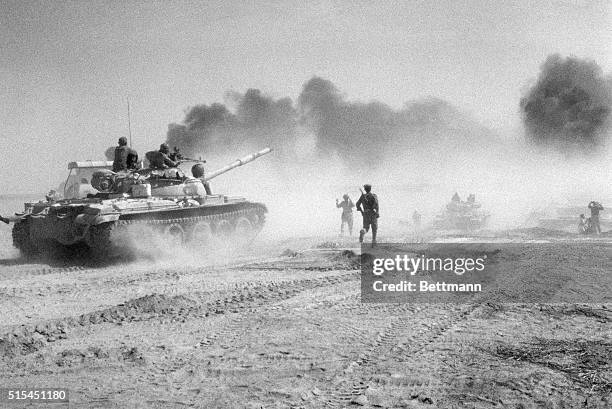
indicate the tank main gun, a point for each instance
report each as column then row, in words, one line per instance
column 236, row 163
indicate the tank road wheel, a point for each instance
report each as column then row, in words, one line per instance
column 175, row 233
column 99, row 240
column 22, row 240
column 244, row 230
column 201, row 234
column 223, row 229
column 243, row 226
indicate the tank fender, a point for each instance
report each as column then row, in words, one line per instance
column 95, row 219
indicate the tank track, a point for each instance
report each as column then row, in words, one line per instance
column 195, row 219
column 21, row 238
column 100, row 236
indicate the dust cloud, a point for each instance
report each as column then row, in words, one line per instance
column 143, row 244
column 415, row 157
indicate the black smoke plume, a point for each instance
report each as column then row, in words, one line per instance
column 258, row 121
column 367, row 133
column 360, row 134
column 569, row 106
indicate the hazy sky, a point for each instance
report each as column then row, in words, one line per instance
column 67, row 66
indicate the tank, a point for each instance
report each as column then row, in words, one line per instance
column 566, row 218
column 100, row 205
column 462, row 215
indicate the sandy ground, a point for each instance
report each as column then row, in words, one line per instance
column 274, row 329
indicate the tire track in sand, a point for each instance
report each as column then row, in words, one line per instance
column 350, row 384
column 31, row 338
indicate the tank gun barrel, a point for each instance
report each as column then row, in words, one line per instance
column 236, row 163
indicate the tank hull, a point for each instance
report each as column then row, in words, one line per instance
column 94, row 225
column 465, row 216
column 565, row 218
column 459, row 222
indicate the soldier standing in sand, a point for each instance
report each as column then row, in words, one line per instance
column 416, row 220
column 595, row 207
column 347, row 213
column 369, row 202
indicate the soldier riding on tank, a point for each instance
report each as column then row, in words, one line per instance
column 159, row 159
column 126, row 158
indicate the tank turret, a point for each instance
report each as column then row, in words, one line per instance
column 164, row 182
column 462, row 215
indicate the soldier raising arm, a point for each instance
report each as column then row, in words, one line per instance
column 347, row 213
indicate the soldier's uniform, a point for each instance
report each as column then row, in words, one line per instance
column 595, row 209
column 416, row 220
column 126, row 158
column 160, row 159
column 176, row 155
column 347, row 214
column 369, row 202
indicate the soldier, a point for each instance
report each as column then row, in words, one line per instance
column 584, row 225
column 53, row 195
column 595, row 207
column 126, row 158
column 176, row 154
column 347, row 213
column 416, row 220
column 370, row 213
column 198, row 172
column 160, row 159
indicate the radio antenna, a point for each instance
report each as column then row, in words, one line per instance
column 129, row 120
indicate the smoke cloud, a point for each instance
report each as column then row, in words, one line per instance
column 323, row 122
column 569, row 106
column 258, row 120
column 415, row 157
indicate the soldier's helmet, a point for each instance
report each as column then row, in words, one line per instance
column 367, row 187
column 164, row 148
column 122, row 141
column 197, row 170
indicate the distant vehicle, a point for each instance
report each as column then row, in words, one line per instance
column 565, row 218
column 462, row 215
